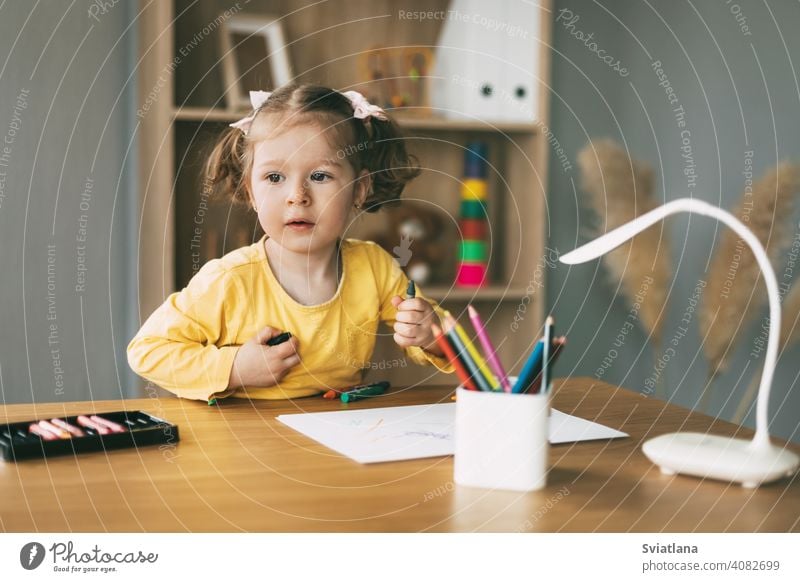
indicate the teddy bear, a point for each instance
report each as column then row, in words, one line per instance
column 416, row 236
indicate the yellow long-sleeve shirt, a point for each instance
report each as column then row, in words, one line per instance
column 188, row 345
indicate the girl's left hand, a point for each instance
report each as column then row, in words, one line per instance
column 413, row 324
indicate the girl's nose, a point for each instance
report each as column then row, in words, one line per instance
column 299, row 195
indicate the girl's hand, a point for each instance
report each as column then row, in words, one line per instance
column 260, row 365
column 413, row 324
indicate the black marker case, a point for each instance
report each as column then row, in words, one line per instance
column 17, row 443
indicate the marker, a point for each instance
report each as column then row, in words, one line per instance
column 366, row 392
column 334, row 392
column 488, row 348
column 39, row 431
column 411, row 291
column 86, row 422
column 108, row 423
column 279, row 339
column 67, row 427
column 62, row 434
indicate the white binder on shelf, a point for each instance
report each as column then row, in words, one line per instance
column 486, row 64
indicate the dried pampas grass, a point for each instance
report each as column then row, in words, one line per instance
column 790, row 334
column 732, row 297
column 621, row 189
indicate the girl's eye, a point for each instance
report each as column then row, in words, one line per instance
column 319, row 176
column 274, row 178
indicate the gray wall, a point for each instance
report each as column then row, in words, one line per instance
column 66, row 103
column 713, row 66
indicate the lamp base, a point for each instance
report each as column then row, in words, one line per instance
column 723, row 458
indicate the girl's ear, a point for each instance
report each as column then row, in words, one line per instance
column 362, row 188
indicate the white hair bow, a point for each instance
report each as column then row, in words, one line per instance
column 362, row 109
column 257, row 99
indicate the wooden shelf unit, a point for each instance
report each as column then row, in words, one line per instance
column 179, row 125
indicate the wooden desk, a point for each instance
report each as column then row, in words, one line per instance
column 238, row 469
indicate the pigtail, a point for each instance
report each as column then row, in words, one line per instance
column 388, row 162
column 226, row 168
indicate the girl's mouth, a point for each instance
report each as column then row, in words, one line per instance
column 300, row 225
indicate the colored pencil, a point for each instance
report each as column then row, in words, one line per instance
column 532, row 367
column 558, row 344
column 473, row 352
column 450, row 354
column 548, row 350
column 463, row 354
column 488, row 348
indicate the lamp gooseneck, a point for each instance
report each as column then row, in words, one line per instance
column 620, row 235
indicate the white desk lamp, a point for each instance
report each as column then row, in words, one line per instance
column 750, row 463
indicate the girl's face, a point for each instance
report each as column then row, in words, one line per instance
column 304, row 189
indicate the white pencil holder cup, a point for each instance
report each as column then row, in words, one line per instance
column 501, row 440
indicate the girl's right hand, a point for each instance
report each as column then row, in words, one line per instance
column 259, row 365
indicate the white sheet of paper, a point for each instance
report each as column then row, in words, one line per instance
column 374, row 435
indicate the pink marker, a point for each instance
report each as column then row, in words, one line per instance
column 37, row 430
column 84, row 421
column 67, row 427
column 107, row 423
column 488, row 348
column 62, row 434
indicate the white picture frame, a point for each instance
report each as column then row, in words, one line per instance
column 253, row 28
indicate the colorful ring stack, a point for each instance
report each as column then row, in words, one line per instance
column 473, row 222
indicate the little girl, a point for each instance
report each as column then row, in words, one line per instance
column 306, row 160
